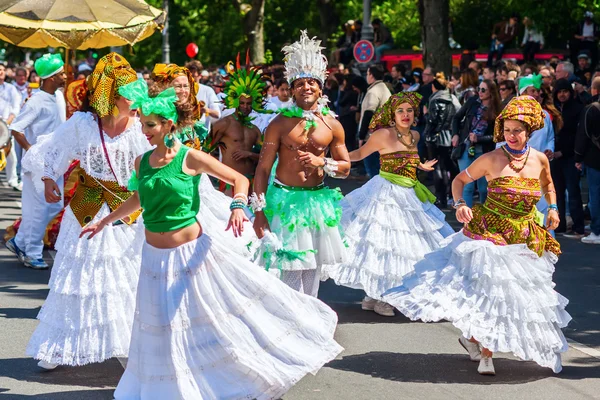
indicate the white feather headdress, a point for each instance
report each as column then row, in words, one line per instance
column 303, row 59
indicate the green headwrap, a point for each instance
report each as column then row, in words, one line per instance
column 48, row 65
column 163, row 104
column 530, row 81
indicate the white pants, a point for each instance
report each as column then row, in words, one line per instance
column 11, row 166
column 35, row 217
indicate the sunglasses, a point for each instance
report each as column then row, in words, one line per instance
column 481, row 89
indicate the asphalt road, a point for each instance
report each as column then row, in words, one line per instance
column 385, row 358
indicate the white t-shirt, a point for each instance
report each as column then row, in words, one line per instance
column 209, row 97
column 588, row 30
column 10, row 101
column 39, row 116
column 280, row 104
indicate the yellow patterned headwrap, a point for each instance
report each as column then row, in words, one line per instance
column 384, row 116
column 111, row 72
column 524, row 109
column 165, row 73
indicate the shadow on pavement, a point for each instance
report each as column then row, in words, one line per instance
column 106, row 374
column 23, row 313
column 75, row 395
column 456, row 368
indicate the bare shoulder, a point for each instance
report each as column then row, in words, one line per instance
column 539, row 156
column 415, row 134
column 333, row 123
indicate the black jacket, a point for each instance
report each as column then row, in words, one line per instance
column 348, row 98
column 441, row 111
column 587, row 141
column 461, row 125
column 571, row 114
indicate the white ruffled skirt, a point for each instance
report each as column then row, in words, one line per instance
column 388, row 229
column 502, row 296
column 214, row 216
column 211, row 325
column 88, row 314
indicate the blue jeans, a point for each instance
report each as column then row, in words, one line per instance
column 463, row 163
column 593, row 177
column 372, row 164
column 380, row 49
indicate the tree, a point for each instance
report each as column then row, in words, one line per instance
column 253, row 17
column 434, row 15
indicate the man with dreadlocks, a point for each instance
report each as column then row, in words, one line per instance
column 301, row 213
column 238, row 138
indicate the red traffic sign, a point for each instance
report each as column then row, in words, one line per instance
column 364, row 51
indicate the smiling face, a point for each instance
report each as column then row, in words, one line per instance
column 515, row 134
column 182, row 88
column 404, row 116
column 155, row 128
column 306, row 92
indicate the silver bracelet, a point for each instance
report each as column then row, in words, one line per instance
column 257, row 202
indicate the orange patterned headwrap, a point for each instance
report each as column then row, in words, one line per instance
column 111, row 72
column 384, row 116
column 165, row 73
column 75, row 96
column 524, row 109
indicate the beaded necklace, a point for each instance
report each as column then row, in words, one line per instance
column 512, row 159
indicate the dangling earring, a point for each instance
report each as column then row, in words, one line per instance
column 115, row 111
column 415, row 123
column 170, row 141
column 393, row 123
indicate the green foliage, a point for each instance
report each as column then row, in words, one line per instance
column 473, row 19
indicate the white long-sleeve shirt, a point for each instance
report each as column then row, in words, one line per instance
column 532, row 34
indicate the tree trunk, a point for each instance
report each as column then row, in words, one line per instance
column 329, row 18
column 253, row 18
column 434, row 15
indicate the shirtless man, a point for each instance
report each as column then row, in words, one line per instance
column 239, row 138
column 301, row 213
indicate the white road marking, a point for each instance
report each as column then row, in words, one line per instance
column 584, row 349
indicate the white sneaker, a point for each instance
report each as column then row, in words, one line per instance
column 471, row 348
column 368, row 303
column 384, row 309
column 592, row 238
column 47, row 366
column 486, row 366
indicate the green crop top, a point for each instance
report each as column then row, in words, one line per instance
column 169, row 196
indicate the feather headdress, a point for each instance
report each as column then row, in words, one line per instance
column 303, row 59
column 247, row 82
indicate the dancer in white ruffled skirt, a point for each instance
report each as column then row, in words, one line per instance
column 493, row 280
column 88, row 314
column 389, row 223
column 208, row 324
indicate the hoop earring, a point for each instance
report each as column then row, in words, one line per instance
column 393, row 123
column 415, row 123
column 169, row 141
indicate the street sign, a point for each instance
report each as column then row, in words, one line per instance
column 364, row 51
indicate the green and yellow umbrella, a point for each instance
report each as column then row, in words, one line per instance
column 77, row 24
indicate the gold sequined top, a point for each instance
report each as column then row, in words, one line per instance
column 508, row 216
column 92, row 193
column 403, row 163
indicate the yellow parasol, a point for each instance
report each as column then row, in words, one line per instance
column 77, row 24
